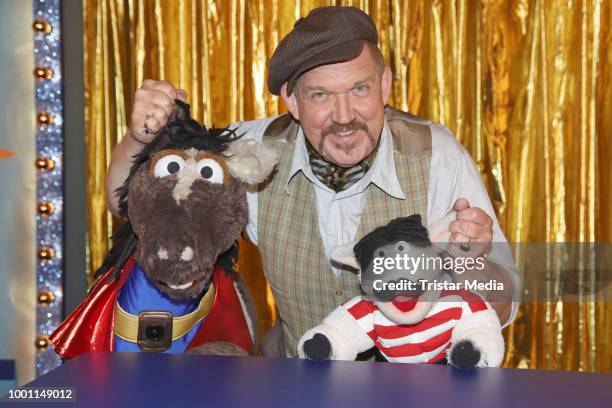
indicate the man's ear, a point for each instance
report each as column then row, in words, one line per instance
column 290, row 101
column 387, row 77
column 344, row 255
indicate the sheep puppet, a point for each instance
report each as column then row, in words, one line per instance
column 431, row 326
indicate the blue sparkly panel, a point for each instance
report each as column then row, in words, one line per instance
column 49, row 186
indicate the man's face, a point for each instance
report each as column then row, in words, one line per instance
column 341, row 107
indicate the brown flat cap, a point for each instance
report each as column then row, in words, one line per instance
column 326, row 36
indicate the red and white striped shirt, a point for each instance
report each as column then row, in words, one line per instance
column 423, row 342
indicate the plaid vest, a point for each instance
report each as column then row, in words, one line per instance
column 304, row 286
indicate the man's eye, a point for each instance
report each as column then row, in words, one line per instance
column 361, row 89
column 318, row 96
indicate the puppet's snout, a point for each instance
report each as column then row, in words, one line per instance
column 415, row 290
column 186, row 254
column 388, row 291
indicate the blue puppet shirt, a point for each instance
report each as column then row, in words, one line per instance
column 139, row 294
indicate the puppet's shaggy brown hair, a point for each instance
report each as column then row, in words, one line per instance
column 181, row 133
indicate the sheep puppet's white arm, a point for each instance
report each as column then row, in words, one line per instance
column 483, row 330
column 346, row 337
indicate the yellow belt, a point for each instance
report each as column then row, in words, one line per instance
column 126, row 324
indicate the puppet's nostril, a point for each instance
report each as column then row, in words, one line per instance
column 162, row 253
column 187, row 254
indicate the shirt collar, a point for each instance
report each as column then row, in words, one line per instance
column 382, row 173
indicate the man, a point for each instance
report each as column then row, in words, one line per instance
column 347, row 165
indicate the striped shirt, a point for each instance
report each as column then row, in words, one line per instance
column 423, row 342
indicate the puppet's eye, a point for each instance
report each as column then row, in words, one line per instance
column 168, row 165
column 400, row 247
column 210, row 171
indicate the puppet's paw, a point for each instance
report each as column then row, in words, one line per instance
column 339, row 337
column 464, row 355
column 317, row 348
column 483, row 332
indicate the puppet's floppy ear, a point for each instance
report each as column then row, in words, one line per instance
column 344, row 255
column 439, row 230
column 439, row 233
column 251, row 161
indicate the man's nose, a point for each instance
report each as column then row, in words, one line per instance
column 343, row 112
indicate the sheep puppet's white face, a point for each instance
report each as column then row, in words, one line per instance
column 401, row 306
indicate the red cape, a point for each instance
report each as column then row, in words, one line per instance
column 90, row 326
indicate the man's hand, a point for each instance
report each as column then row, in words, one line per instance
column 473, row 228
column 153, row 104
column 473, row 231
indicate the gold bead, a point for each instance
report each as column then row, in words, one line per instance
column 41, row 26
column 43, row 73
column 45, row 254
column 42, row 342
column 44, row 118
column 45, row 208
column 45, row 163
column 45, row 298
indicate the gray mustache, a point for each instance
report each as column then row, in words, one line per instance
column 347, row 127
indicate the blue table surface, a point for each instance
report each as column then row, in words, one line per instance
column 164, row 380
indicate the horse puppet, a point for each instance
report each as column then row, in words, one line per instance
column 169, row 284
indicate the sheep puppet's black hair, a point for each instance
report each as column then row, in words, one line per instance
column 409, row 229
column 180, row 133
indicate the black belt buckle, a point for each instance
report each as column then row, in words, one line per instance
column 154, row 331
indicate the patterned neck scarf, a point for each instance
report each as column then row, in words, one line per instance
column 336, row 177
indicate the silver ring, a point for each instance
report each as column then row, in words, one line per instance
column 466, row 246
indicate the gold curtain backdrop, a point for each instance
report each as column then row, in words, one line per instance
column 522, row 84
